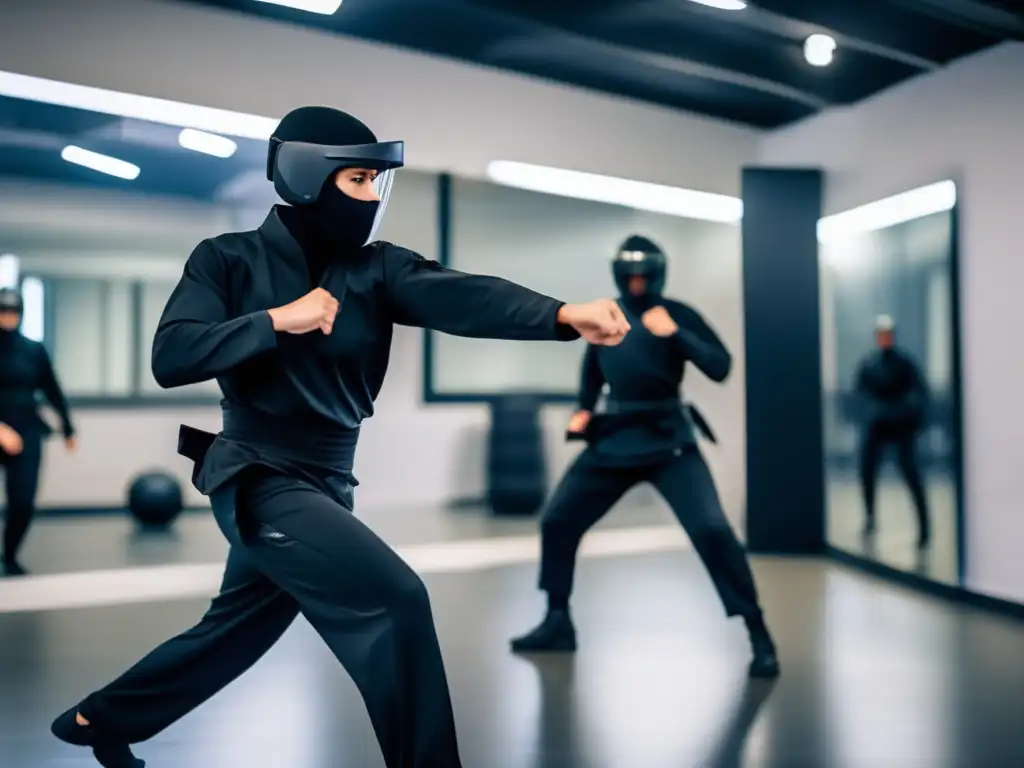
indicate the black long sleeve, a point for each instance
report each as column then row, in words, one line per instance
column 591, row 380
column 427, row 295
column 195, row 341
column 700, row 343
column 54, row 394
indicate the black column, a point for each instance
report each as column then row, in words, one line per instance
column 785, row 479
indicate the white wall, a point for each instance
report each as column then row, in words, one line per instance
column 964, row 122
column 453, row 116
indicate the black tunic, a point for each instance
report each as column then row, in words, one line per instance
column 893, row 392
column 645, row 421
column 25, row 370
column 295, row 402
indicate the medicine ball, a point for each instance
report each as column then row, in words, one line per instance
column 154, row 499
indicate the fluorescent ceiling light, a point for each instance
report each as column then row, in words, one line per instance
column 101, row 163
column 656, row 198
column 130, row 105
column 819, row 50
column 725, row 5
column 207, row 143
column 326, row 7
column 8, row 271
column 923, row 201
column 32, row 308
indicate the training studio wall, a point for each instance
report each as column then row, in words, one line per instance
column 961, row 123
column 454, row 117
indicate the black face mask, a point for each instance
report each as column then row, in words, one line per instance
column 345, row 221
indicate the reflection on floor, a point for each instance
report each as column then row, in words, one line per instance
column 872, row 676
column 87, row 542
column 894, row 542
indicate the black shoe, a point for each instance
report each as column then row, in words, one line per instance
column 555, row 633
column 765, row 663
column 13, row 568
column 107, row 753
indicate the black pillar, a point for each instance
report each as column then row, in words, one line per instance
column 785, row 478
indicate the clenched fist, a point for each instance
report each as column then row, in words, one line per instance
column 579, row 421
column 10, row 441
column 317, row 309
column 599, row 322
column 658, row 321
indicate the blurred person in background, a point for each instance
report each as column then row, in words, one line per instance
column 25, row 371
column 295, row 321
column 894, row 399
column 646, row 434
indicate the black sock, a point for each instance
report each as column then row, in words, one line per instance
column 558, row 603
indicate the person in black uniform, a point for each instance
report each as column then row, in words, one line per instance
column 895, row 399
column 646, row 434
column 25, row 370
column 295, row 322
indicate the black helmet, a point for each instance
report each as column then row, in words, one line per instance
column 638, row 256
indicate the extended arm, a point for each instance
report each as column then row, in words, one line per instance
column 426, row 295
column 700, row 344
column 591, row 379
column 54, row 394
column 195, row 341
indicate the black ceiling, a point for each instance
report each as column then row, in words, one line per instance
column 745, row 66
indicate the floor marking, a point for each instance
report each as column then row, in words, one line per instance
column 189, row 580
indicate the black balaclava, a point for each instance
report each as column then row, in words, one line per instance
column 335, row 222
column 639, row 256
column 10, row 301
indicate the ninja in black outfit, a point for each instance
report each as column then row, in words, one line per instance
column 646, row 434
column 295, row 321
column 25, row 370
column 895, row 395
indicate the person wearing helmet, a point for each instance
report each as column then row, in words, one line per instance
column 645, row 434
column 295, row 321
column 895, row 397
column 25, row 370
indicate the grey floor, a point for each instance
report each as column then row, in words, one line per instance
column 874, row 676
column 894, row 542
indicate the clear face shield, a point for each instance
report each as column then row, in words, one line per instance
column 299, row 170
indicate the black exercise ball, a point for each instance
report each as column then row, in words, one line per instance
column 154, row 499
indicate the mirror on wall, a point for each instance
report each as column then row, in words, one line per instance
column 889, row 373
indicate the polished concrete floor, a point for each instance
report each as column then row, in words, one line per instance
column 873, row 677
column 894, row 541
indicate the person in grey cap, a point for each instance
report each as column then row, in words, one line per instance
column 895, row 399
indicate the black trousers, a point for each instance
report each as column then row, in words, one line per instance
column 300, row 551
column 21, row 474
column 588, row 490
column 872, row 450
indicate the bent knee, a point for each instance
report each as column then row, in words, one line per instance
column 408, row 594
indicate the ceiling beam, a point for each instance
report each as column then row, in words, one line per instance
column 788, row 27
column 971, row 14
column 535, row 46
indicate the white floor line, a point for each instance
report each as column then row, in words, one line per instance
column 174, row 582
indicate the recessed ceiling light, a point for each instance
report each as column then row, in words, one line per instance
column 100, row 163
column 906, row 206
column 326, row 7
column 658, row 198
column 207, row 143
column 819, row 50
column 8, row 271
column 130, row 105
column 724, row 5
